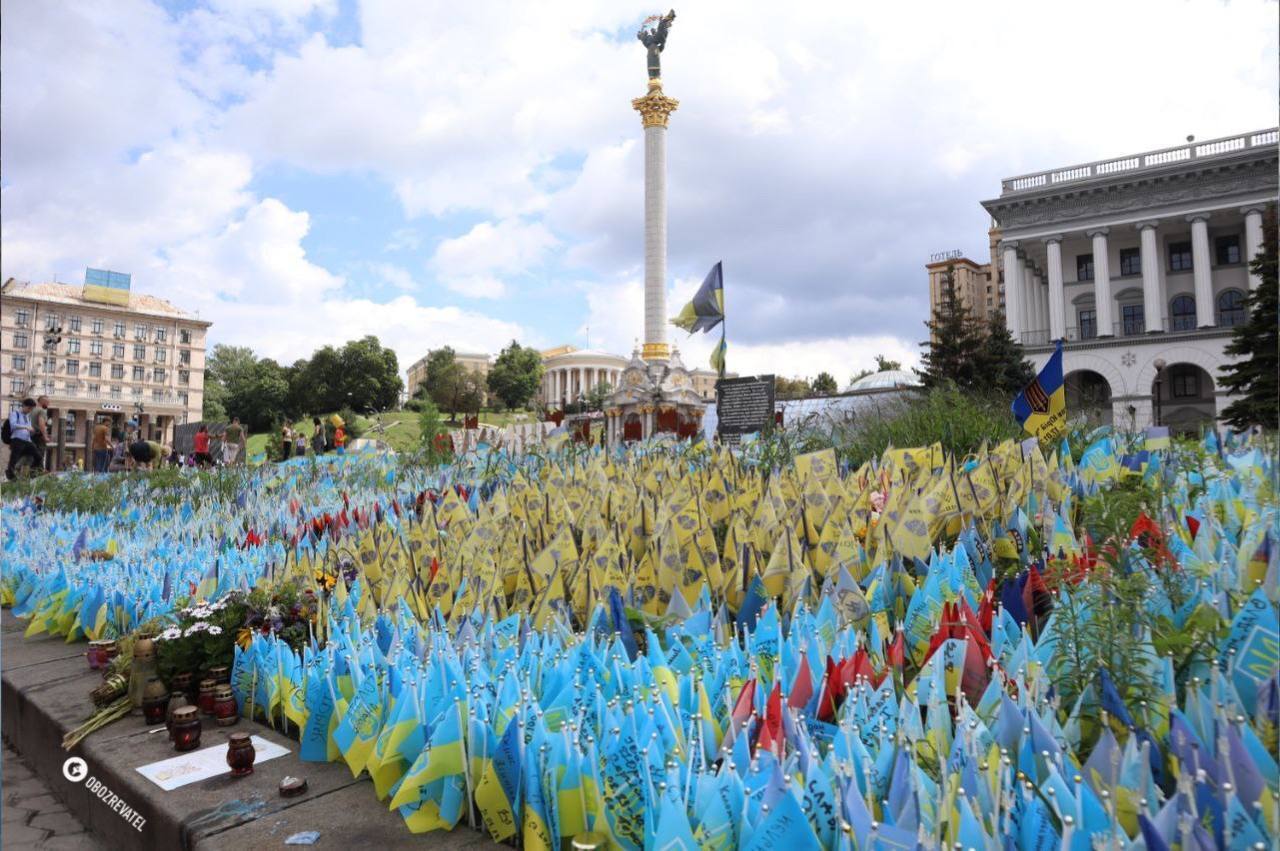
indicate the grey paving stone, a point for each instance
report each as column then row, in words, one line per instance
column 58, row 823
column 23, row 836
column 73, row 842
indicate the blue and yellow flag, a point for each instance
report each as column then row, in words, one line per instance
column 706, row 310
column 1041, row 408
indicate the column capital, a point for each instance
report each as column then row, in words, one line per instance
column 1253, row 208
column 1052, row 238
column 1149, row 223
column 1198, row 217
column 1008, row 245
column 655, row 108
column 1094, row 233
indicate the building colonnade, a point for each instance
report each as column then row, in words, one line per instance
column 565, row 384
column 1035, row 299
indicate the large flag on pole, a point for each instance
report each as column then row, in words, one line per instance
column 1041, row 407
column 706, row 311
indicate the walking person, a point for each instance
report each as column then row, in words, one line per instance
column 286, row 441
column 22, row 447
column 101, row 446
column 40, row 432
column 317, row 436
column 232, row 439
column 201, row 445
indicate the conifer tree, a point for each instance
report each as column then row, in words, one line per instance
column 1000, row 363
column 1253, row 375
column 955, row 341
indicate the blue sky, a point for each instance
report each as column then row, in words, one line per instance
column 303, row 172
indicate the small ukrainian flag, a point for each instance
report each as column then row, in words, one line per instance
column 1041, row 408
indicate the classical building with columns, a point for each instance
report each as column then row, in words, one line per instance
column 570, row 374
column 1139, row 264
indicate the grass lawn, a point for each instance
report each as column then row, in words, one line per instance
column 399, row 429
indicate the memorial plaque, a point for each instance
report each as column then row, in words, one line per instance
column 744, row 405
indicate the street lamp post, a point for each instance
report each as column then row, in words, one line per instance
column 1160, row 365
column 52, row 337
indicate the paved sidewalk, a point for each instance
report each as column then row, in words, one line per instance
column 33, row 817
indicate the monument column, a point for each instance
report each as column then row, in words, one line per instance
column 655, row 110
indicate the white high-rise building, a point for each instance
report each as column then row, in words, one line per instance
column 1140, row 265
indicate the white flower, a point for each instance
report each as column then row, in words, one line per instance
column 171, row 634
column 198, row 626
column 215, row 630
column 201, row 612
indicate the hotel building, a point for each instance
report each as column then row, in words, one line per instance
column 134, row 356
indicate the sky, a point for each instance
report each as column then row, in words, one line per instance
column 305, row 172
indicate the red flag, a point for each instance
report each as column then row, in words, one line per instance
column 435, row 568
column 987, row 608
column 1193, row 525
column 745, row 705
column 802, row 686
column 897, row 655
column 831, row 690
column 771, row 734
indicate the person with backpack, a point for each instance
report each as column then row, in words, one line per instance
column 19, row 434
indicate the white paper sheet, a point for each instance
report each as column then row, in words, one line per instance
column 208, row 762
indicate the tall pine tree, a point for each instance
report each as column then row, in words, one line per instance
column 1253, row 376
column 1000, row 363
column 955, row 341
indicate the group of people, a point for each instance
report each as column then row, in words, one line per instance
column 233, row 438
column 293, row 441
column 27, row 433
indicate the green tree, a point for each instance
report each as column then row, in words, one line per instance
column 883, row 364
column 955, row 342
column 214, row 403
column 450, row 385
column 598, row 396
column 1001, row 368
column 515, row 375
column 859, row 375
column 1253, row 375
column 370, row 375
column 430, row 424
column 228, row 374
column 791, row 388
column 259, row 398
column 824, row 384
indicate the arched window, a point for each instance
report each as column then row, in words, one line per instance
column 1182, row 313
column 1231, row 308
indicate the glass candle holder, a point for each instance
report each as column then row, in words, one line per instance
column 240, row 754
column 225, row 710
column 206, row 699
column 220, row 674
column 155, row 700
column 186, row 728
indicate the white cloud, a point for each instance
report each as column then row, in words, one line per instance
column 822, row 154
column 615, row 323
column 470, row 264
